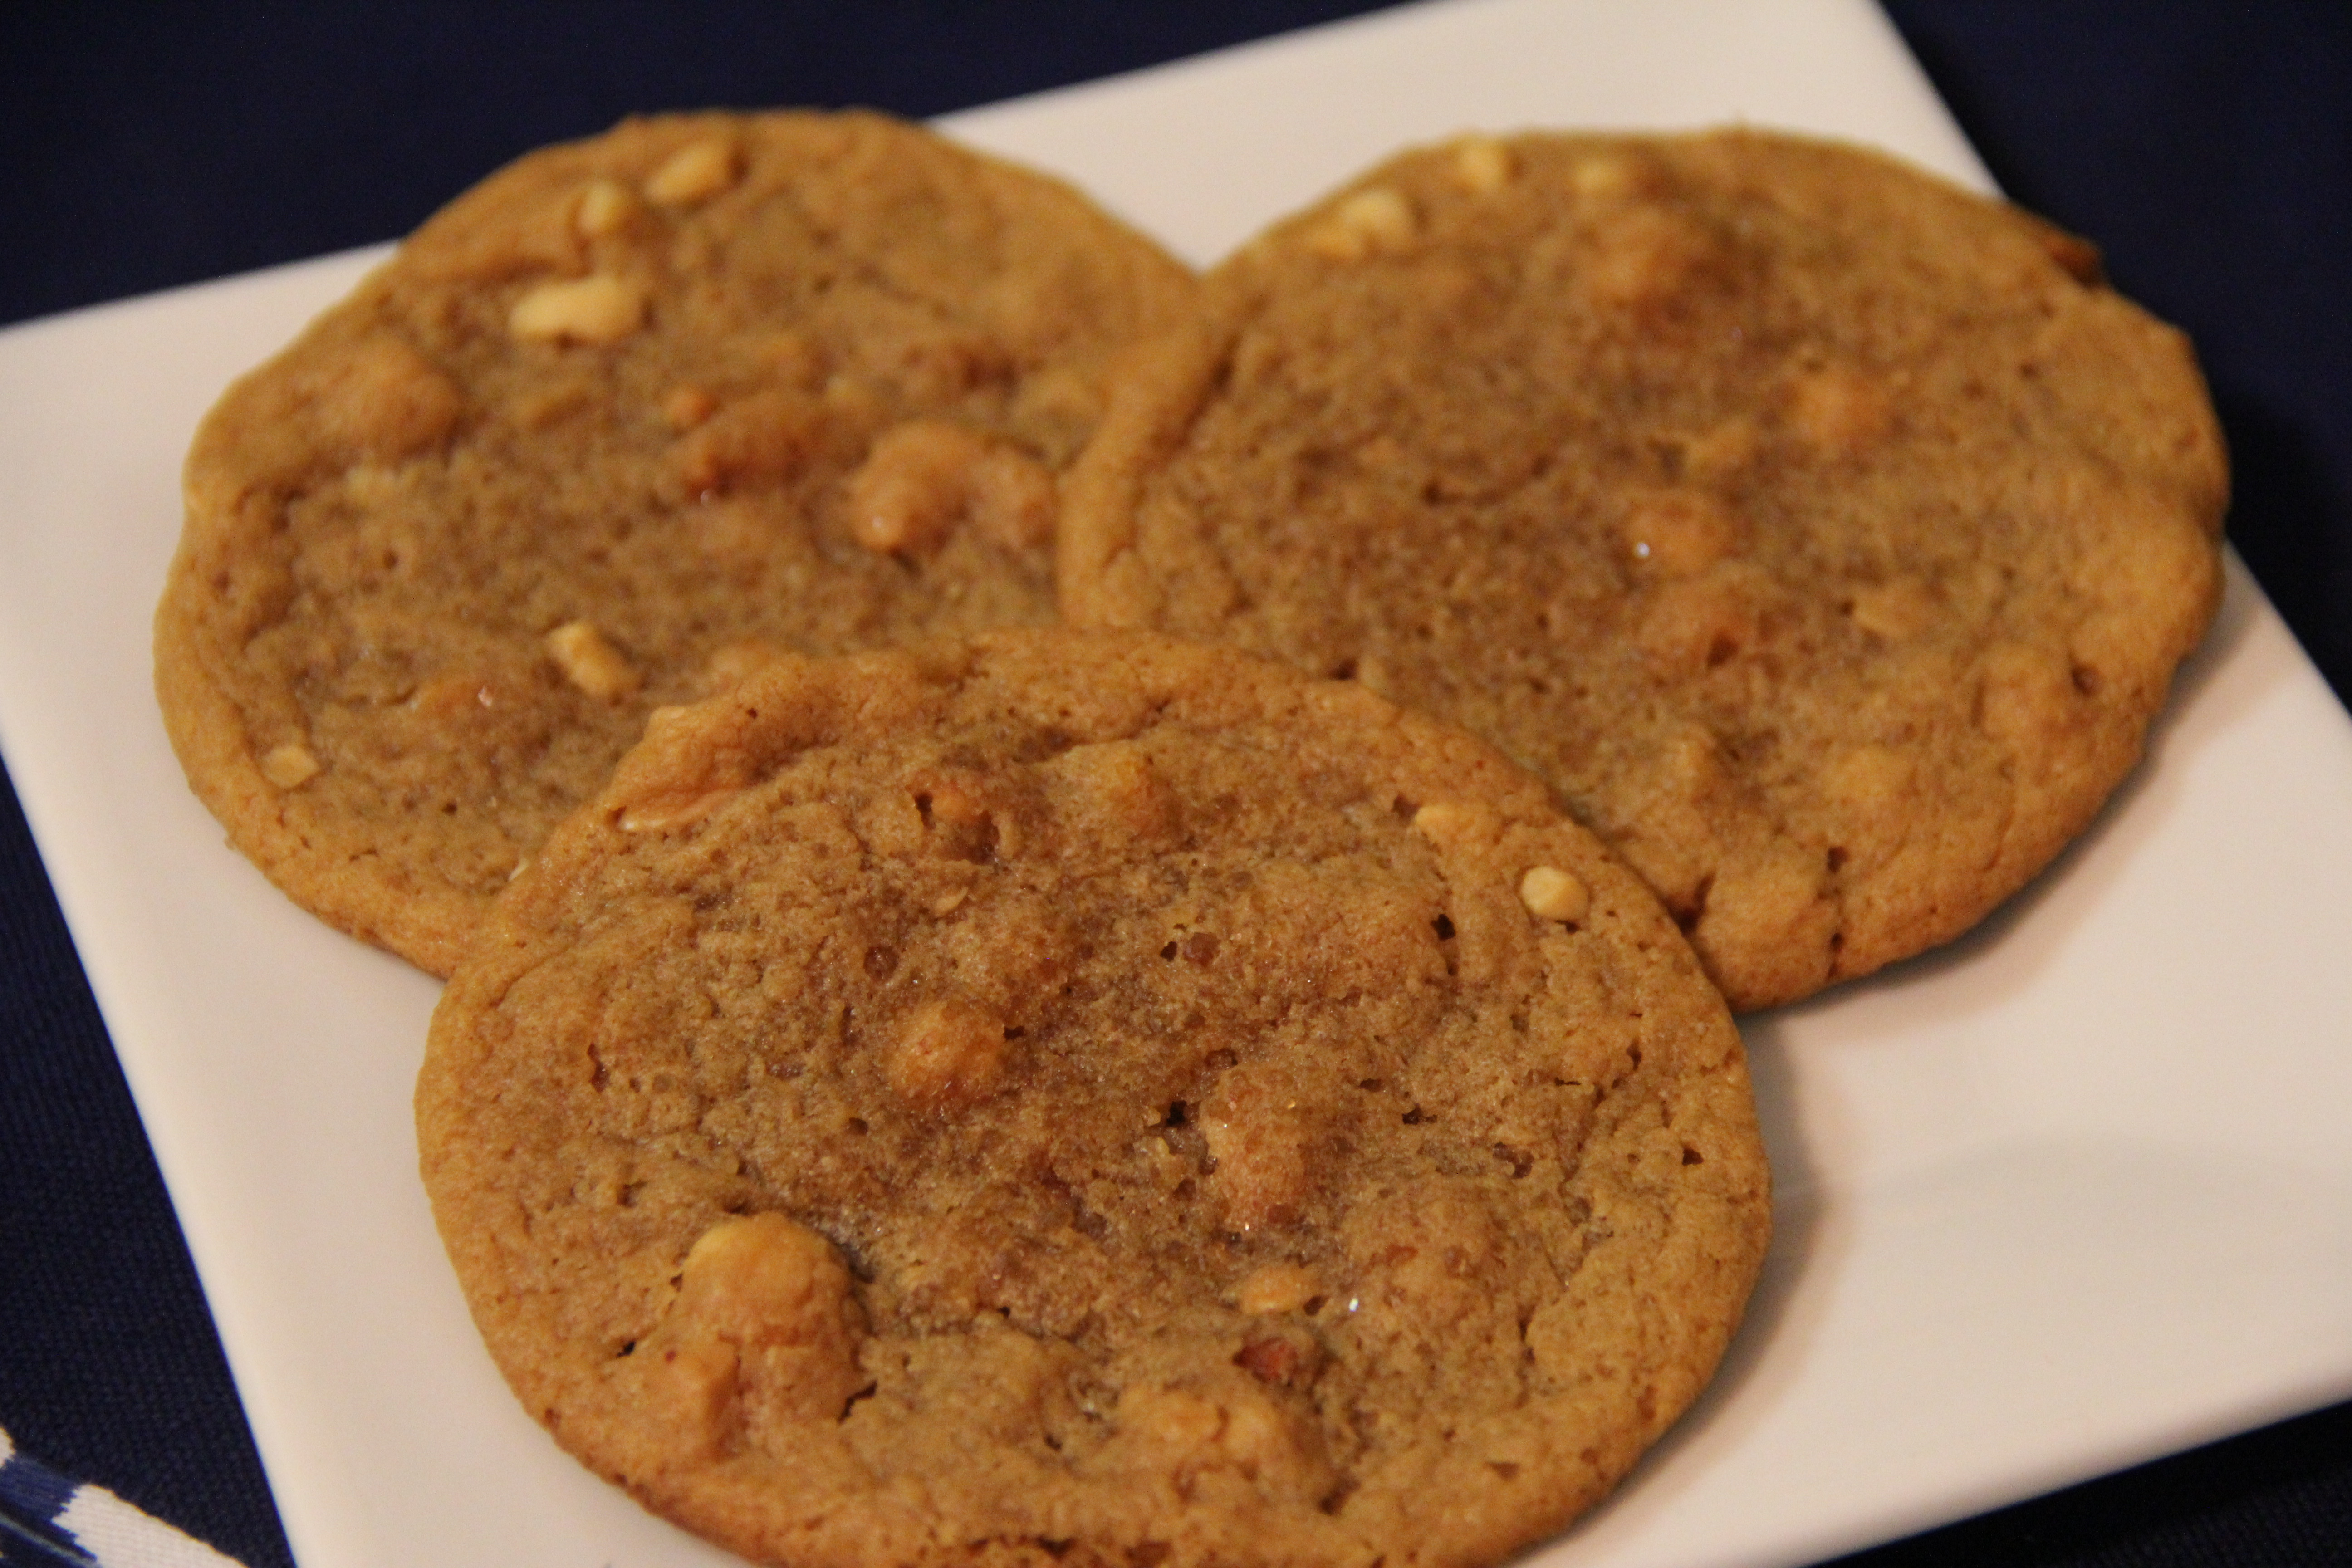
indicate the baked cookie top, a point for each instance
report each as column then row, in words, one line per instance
column 629, row 410
column 1095, row 1100
column 1826, row 535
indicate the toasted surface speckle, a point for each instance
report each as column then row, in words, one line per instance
column 1094, row 1099
column 1825, row 535
column 597, row 424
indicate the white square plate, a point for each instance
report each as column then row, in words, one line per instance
column 2070, row 1193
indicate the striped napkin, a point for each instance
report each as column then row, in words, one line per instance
column 47, row 1519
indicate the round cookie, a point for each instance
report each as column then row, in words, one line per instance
column 1090, row 1099
column 1826, row 535
column 610, row 426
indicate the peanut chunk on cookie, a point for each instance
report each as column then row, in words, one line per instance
column 695, row 172
column 591, row 663
column 755, row 441
column 948, row 1055
column 1277, row 1288
column 605, row 209
column 600, row 309
column 291, row 765
column 764, row 1333
column 914, row 487
column 924, row 480
column 1608, row 176
column 1265, row 1134
column 1483, row 164
column 1365, row 224
column 1189, row 1436
column 386, row 402
column 1552, row 894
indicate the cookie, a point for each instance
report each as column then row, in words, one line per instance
column 1090, row 1099
column 1827, row 536
column 622, row 419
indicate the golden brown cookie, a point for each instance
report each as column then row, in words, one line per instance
column 604, row 430
column 1826, row 535
column 1090, row 1098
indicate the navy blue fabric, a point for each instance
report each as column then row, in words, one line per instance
column 2205, row 145
column 108, row 1366
column 2207, row 148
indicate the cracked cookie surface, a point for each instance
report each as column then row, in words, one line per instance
column 1826, row 535
column 1090, row 1099
column 609, row 427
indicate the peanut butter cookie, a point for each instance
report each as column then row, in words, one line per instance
column 612, row 425
column 1092, row 1099
column 1826, row 535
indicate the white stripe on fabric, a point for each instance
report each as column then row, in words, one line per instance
column 109, row 1530
column 120, row 1536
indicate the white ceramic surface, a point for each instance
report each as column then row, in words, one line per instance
column 2071, row 1193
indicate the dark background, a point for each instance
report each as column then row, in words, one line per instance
column 2206, row 146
